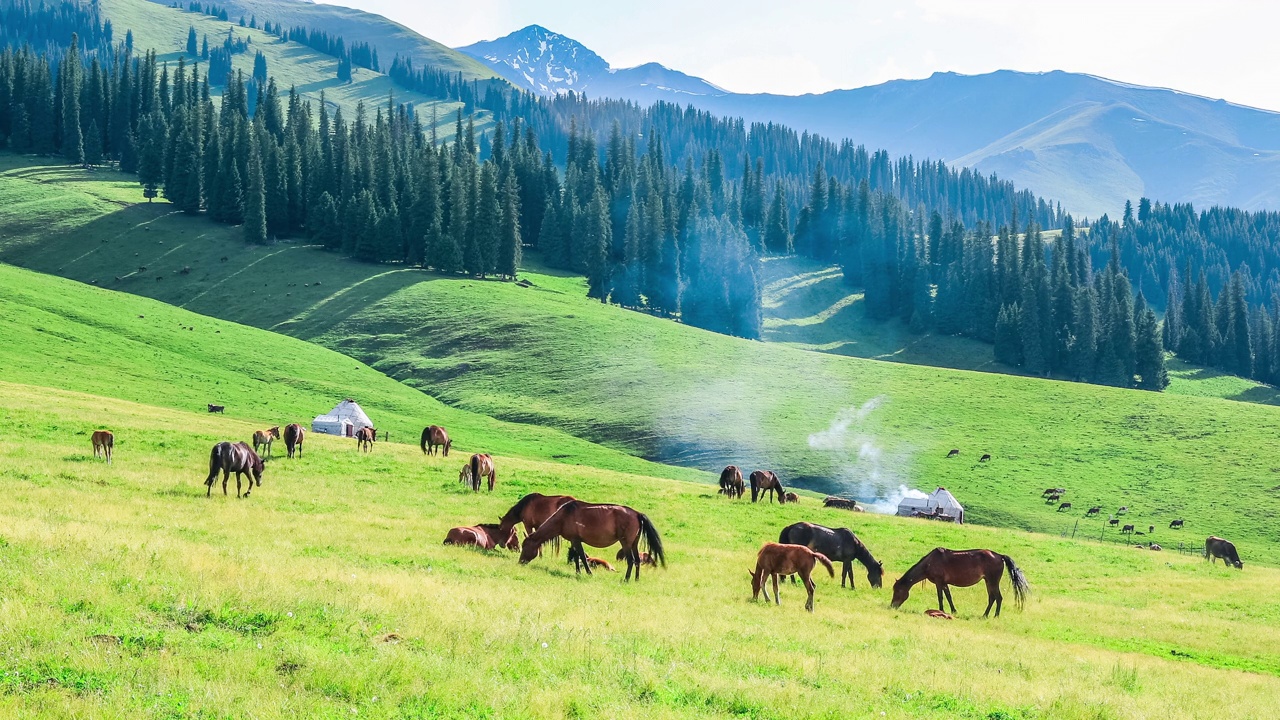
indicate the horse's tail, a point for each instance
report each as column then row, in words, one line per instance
column 215, row 463
column 426, row 435
column 475, row 470
column 825, row 562
column 784, row 537
column 1020, row 587
column 652, row 539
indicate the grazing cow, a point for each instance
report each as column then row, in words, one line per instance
column 1093, row 511
column 1151, row 529
column 1052, row 499
column 985, row 457
column 791, row 497
column 365, row 438
column 1127, row 530
column 1123, row 509
column 218, row 409
column 1154, row 546
column 1048, row 491
column 1215, row 547
column 1176, row 524
column 103, row 443
column 294, row 435
column 731, row 482
column 1064, row 506
column 775, row 559
column 263, row 438
column 954, row 452
column 1113, row 521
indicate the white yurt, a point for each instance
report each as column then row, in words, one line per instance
column 345, row 420
column 937, row 504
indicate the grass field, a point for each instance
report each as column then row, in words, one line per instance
column 164, row 29
column 127, row 593
column 547, row 356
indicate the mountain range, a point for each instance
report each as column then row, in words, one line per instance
column 1087, row 142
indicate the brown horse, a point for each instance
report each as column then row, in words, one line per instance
column 731, row 482
column 532, row 510
column 765, row 481
column 1215, row 547
column 485, row 536
column 775, row 559
column 598, row 526
column 962, row 568
column 365, row 437
column 600, row 564
column 481, row 465
column 263, row 438
column 792, row 497
column 103, row 443
column 294, row 434
column 435, row 439
column 236, row 458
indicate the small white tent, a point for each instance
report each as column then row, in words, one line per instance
column 345, row 419
column 941, row 504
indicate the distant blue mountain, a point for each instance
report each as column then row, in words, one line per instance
column 1085, row 141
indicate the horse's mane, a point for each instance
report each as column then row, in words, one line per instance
column 915, row 573
column 514, row 513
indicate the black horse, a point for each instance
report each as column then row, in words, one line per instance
column 839, row 545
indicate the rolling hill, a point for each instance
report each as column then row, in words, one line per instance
column 1085, row 141
column 548, row 356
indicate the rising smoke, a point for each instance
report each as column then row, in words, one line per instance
column 863, row 469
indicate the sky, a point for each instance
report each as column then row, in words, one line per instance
column 1217, row 48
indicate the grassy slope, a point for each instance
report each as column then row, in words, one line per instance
column 164, row 29
column 546, row 355
column 280, row 606
column 73, row 337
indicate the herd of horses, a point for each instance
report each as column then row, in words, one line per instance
column 553, row 519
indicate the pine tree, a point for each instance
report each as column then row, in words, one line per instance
column 510, row 256
column 596, row 237
column 192, row 48
column 152, row 132
column 323, row 223
column 93, row 144
column 1084, row 345
column 1008, row 335
column 255, row 198
column 365, row 227
column 777, row 238
column 72, row 137
column 1150, row 364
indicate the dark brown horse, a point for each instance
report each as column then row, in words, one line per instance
column 532, row 510
column 236, row 458
column 481, row 465
column 775, row 559
column 838, row 545
column 294, row 434
column 486, row 537
column 103, row 443
column 365, row 437
column 962, row 568
column 435, row 439
column 263, row 438
column 598, row 526
column 1215, row 547
column 766, row 482
column 731, row 482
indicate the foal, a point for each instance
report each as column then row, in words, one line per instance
column 776, row 559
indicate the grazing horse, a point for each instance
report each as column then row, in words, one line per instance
column 218, row 409
column 1064, row 506
column 962, row 568
column 792, row 497
column 776, row 559
column 840, row 503
column 435, row 439
column 731, row 482
column 103, row 443
column 954, row 452
column 765, row 481
column 837, row 544
column 532, row 510
column 485, row 536
column 236, row 458
column 1176, row 524
column 1093, row 511
column 263, row 438
column 1215, row 547
column 365, row 437
column 481, row 465
column 1052, row 499
column 1127, row 529
column 598, row 526
column 293, row 437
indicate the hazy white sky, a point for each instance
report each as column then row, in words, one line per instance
column 1219, row 48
